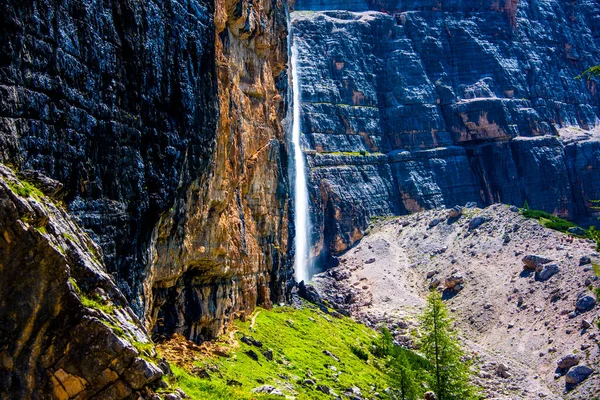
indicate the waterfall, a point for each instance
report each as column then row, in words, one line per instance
column 301, row 212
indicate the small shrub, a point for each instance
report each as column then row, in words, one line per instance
column 359, row 352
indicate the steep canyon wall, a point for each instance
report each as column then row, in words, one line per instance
column 162, row 121
column 433, row 104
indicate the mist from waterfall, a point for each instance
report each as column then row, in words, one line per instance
column 301, row 212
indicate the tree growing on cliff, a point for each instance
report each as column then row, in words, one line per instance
column 439, row 344
column 592, row 72
column 403, row 377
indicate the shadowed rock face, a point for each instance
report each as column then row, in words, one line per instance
column 435, row 104
column 162, row 122
column 54, row 344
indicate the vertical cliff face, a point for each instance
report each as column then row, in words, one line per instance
column 433, row 104
column 66, row 331
column 116, row 100
column 223, row 249
column 163, row 122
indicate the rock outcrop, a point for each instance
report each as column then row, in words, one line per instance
column 162, row 121
column 66, row 331
column 433, row 104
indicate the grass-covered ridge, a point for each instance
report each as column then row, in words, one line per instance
column 298, row 339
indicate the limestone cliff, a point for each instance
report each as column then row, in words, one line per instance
column 66, row 331
column 433, row 104
column 163, row 122
column 223, row 248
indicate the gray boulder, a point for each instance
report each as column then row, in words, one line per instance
column 578, row 374
column 546, row 272
column 268, row 389
column 535, row 262
column 585, row 303
column 476, row 222
column 568, row 361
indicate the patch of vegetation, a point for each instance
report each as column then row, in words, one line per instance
column 97, row 303
column 349, row 153
column 592, row 72
column 69, row 237
column 450, row 369
column 298, row 339
column 24, row 189
column 42, row 230
column 548, row 220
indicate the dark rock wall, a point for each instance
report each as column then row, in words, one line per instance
column 118, row 101
column 432, row 104
column 66, row 331
column 163, row 122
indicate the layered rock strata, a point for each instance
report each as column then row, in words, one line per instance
column 66, row 331
column 162, row 121
column 427, row 105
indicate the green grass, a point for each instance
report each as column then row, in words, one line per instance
column 349, row 153
column 96, row 302
column 25, row 189
column 548, row 220
column 297, row 338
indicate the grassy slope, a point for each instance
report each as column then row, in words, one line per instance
column 297, row 338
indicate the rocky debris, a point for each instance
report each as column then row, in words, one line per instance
column 585, row 324
column 353, row 391
column 546, row 272
column 453, row 281
column 502, row 371
column 324, row 389
column 64, row 266
column 578, row 374
column 434, row 222
column 308, row 292
column 339, row 274
column 252, row 354
column 534, row 261
column 330, row 354
column 476, row 222
column 585, row 302
column 585, row 260
column 568, row 361
column 268, row 389
column 499, row 294
column 370, row 261
column 251, row 341
column 455, row 212
column 268, row 354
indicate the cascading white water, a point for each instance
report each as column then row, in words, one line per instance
column 301, row 214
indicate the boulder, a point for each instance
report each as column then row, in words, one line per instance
column 268, row 354
column 578, row 374
column 585, row 303
column 455, row 212
column 476, row 222
column 268, row 389
column 252, row 354
column 585, row 260
column 568, row 361
column 535, row 262
column 453, row 280
column 434, row 222
column 546, row 272
column 251, row 341
column 330, row 354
